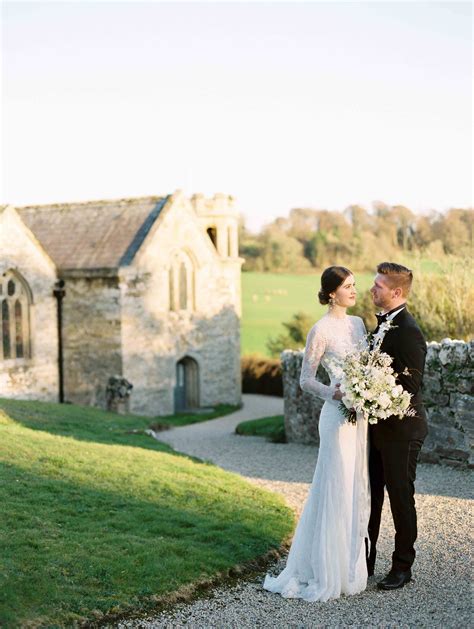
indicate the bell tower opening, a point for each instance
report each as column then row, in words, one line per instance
column 212, row 233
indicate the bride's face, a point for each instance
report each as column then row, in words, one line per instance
column 345, row 294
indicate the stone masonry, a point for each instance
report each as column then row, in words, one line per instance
column 34, row 376
column 152, row 296
column 447, row 393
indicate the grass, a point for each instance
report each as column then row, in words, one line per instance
column 183, row 419
column 272, row 428
column 269, row 299
column 97, row 518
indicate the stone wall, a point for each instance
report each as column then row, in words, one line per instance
column 448, row 396
column 447, row 393
column 119, row 323
column 91, row 338
column 301, row 409
column 155, row 338
column 36, row 376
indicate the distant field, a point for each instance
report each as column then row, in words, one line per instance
column 269, row 299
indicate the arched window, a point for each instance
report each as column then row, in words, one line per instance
column 183, row 287
column 18, row 330
column 6, row 329
column 181, row 283
column 171, row 283
column 15, row 297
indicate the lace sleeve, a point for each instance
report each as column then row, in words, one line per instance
column 363, row 329
column 314, row 351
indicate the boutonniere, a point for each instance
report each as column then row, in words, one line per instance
column 375, row 340
column 385, row 327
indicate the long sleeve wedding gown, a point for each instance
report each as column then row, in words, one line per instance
column 327, row 555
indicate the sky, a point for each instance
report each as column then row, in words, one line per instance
column 281, row 105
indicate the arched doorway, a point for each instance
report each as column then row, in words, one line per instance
column 186, row 393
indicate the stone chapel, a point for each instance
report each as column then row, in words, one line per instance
column 146, row 289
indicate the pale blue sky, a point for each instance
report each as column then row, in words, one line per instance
column 280, row 104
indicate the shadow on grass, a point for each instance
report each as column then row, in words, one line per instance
column 83, row 423
column 69, row 549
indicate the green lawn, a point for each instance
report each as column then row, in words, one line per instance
column 98, row 518
column 272, row 428
column 269, row 299
column 183, row 419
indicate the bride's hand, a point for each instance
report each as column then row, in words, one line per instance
column 338, row 394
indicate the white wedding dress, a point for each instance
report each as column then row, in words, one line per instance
column 327, row 555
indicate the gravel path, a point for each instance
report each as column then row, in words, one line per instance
column 439, row 595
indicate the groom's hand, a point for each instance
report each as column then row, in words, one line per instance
column 338, row 394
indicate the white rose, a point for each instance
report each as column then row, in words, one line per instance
column 347, row 401
column 391, row 381
column 396, row 391
column 384, row 400
column 405, row 401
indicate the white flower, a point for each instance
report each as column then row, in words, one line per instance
column 384, row 400
column 390, row 380
column 368, row 383
column 348, row 401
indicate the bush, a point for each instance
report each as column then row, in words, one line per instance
column 261, row 375
column 295, row 338
column 442, row 304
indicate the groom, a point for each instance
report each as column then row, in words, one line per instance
column 395, row 443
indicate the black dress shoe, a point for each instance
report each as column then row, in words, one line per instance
column 395, row 579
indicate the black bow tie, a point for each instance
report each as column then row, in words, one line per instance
column 381, row 318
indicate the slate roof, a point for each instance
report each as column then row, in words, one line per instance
column 95, row 234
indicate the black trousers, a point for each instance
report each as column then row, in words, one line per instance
column 393, row 465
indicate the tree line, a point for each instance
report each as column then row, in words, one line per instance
column 310, row 238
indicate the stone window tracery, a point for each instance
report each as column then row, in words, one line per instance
column 15, row 297
column 181, row 283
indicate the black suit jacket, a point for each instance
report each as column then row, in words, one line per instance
column 407, row 346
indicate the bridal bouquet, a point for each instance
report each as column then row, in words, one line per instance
column 368, row 383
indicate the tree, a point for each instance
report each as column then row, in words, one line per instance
column 295, row 337
column 303, row 222
column 282, row 252
column 359, row 218
column 404, row 220
column 455, row 230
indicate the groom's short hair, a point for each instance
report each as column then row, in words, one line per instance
column 397, row 276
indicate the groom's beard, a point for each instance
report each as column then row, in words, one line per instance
column 380, row 304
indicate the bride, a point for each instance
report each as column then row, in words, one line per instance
column 327, row 556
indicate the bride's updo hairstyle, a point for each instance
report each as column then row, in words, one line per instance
column 331, row 279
